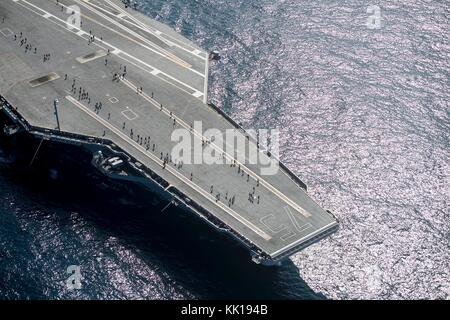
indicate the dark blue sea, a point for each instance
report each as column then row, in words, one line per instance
column 364, row 116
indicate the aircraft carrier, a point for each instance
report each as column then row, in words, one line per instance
column 102, row 76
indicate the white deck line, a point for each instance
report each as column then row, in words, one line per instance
column 205, row 88
column 124, row 14
column 156, row 49
column 81, row 33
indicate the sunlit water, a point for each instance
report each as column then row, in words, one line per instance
column 365, row 121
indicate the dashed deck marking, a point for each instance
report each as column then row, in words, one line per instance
column 6, row 32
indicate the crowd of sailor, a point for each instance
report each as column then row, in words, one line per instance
column 151, row 146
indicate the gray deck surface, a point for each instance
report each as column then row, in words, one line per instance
column 175, row 70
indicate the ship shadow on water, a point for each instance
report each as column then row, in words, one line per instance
column 205, row 263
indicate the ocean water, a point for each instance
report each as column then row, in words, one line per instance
column 365, row 121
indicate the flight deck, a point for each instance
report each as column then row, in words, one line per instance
column 122, row 77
